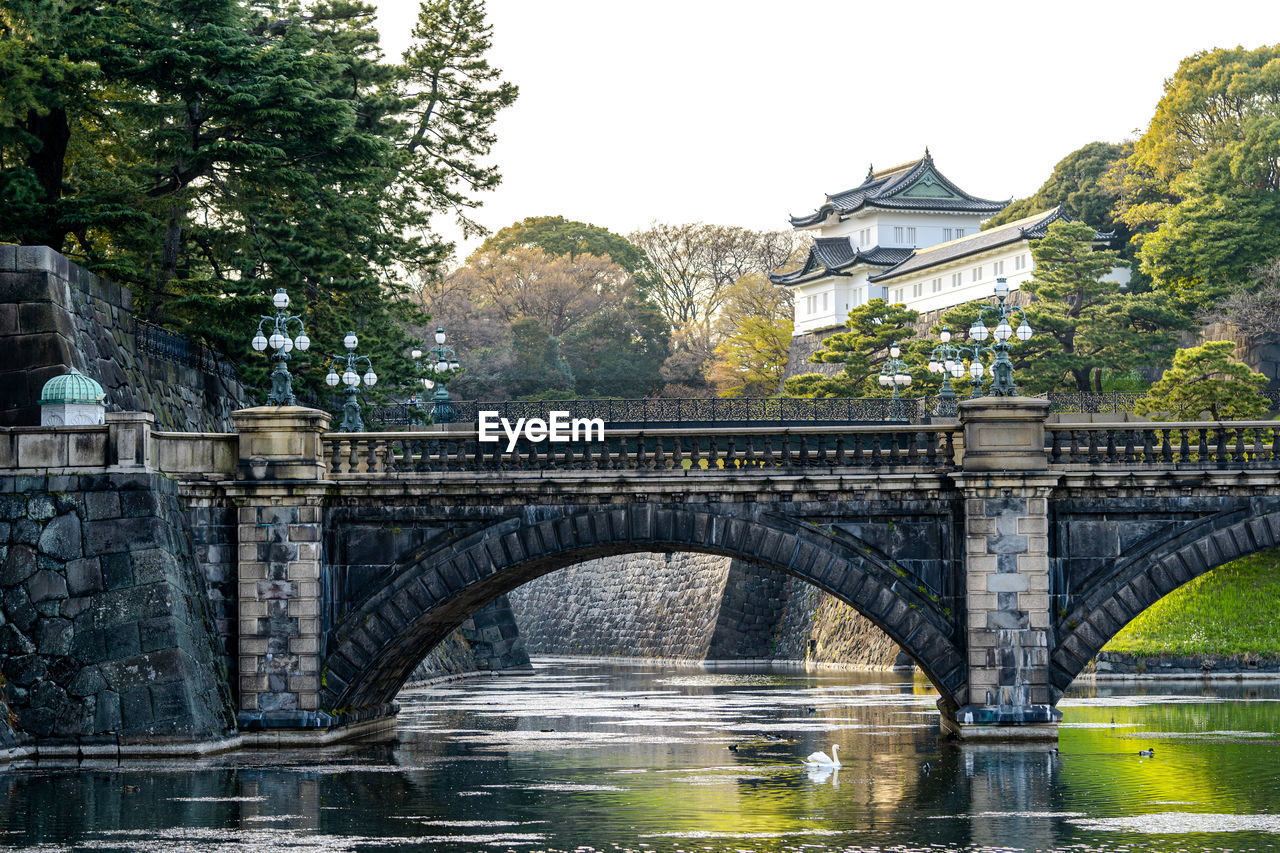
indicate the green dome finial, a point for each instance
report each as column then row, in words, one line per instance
column 71, row 387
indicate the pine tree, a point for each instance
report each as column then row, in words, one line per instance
column 1085, row 329
column 872, row 328
column 1203, row 379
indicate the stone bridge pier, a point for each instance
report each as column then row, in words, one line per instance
column 1006, row 487
column 279, row 497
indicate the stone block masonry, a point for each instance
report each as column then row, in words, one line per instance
column 636, row 605
column 55, row 315
column 106, row 635
column 489, row 641
column 695, row 607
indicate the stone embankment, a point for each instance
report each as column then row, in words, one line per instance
column 488, row 642
column 106, row 632
column 694, row 607
column 1117, row 665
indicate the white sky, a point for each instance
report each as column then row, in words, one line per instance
column 740, row 112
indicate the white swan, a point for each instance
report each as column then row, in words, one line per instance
column 824, row 760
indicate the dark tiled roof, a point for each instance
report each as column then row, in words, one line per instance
column 1030, row 228
column 834, row 255
column 886, row 190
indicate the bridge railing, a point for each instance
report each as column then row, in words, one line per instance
column 931, row 448
column 1221, row 444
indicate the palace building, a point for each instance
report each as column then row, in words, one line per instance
column 907, row 235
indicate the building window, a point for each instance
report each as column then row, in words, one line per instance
column 897, row 234
column 997, row 268
column 825, row 297
column 937, row 285
column 865, row 240
column 977, row 273
column 911, row 236
column 897, row 296
column 957, row 279
column 1019, row 262
column 959, row 233
column 946, row 234
column 916, row 289
column 813, row 304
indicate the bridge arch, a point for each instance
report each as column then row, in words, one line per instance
column 1136, row 583
column 374, row 648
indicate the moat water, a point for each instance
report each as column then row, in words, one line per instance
column 598, row 759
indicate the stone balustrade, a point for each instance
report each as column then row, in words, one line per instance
column 1195, row 444
column 931, row 448
column 128, row 441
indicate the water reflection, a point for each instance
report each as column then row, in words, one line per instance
column 591, row 758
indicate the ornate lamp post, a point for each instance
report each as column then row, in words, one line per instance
column 279, row 340
column 441, row 370
column 948, row 360
column 351, row 420
column 976, row 370
column 1001, row 368
column 894, row 374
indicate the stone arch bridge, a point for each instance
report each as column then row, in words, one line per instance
column 1000, row 552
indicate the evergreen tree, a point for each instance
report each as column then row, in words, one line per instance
column 1086, row 330
column 219, row 149
column 1208, row 379
column 556, row 235
column 872, row 328
column 1077, row 184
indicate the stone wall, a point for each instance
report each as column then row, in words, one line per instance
column 694, row 607
column 637, row 605
column 105, row 632
column 822, row 630
column 1262, row 356
column 487, row 642
column 55, row 315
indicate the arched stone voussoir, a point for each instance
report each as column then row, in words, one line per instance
column 426, row 596
column 1140, row 583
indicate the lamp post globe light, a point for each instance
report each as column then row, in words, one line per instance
column 1001, row 367
column 947, row 359
column 416, row 404
column 273, row 333
column 441, row 367
column 895, row 374
column 352, row 379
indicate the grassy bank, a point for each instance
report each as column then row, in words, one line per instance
column 1232, row 610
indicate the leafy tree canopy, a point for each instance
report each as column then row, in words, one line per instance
column 556, row 235
column 752, row 361
column 1207, row 378
column 206, row 152
column 1199, row 188
column 1077, row 184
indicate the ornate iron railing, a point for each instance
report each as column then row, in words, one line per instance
column 159, row 342
column 699, row 412
column 750, row 411
column 1115, row 403
column 691, row 452
column 1226, row 444
column 1092, row 404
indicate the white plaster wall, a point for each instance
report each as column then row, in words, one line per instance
column 903, row 288
column 931, row 228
